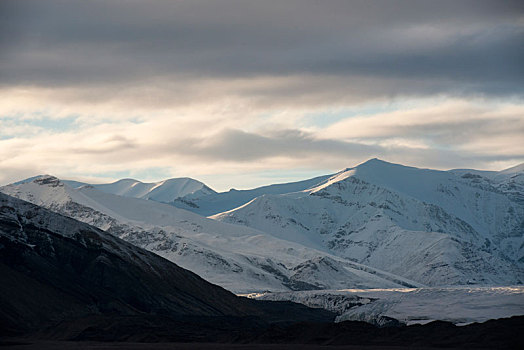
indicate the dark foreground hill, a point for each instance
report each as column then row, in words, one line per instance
column 66, row 279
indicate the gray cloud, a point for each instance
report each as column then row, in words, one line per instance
column 397, row 47
column 304, row 149
column 195, row 86
column 112, row 145
column 237, row 145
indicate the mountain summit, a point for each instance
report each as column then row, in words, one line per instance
column 163, row 191
column 434, row 227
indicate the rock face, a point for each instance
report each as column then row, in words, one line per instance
column 433, row 227
column 56, row 271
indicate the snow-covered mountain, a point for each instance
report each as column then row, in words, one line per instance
column 338, row 231
column 434, row 227
column 163, row 191
column 509, row 181
column 215, row 203
column 238, row 258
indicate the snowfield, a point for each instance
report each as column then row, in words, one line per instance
column 460, row 305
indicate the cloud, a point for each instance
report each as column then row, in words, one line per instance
column 196, row 88
column 455, row 133
column 495, row 129
column 395, row 48
column 239, row 146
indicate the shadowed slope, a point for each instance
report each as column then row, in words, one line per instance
column 56, row 270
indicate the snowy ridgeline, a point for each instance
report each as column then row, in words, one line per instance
column 377, row 225
column 162, row 191
column 459, row 305
column 235, row 257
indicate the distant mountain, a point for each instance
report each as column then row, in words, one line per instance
column 509, row 181
column 67, row 279
column 190, row 194
column 434, row 227
column 163, row 191
column 238, row 258
column 215, row 203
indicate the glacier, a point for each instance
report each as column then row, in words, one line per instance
column 460, row 305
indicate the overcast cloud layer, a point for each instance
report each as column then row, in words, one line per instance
column 249, row 92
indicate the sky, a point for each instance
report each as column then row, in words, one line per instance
column 247, row 93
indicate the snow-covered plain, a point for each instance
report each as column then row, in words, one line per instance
column 460, row 305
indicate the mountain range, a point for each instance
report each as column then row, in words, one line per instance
column 240, row 259
column 65, row 282
column 375, row 225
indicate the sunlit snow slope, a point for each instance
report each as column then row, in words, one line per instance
column 434, row 227
column 215, row 203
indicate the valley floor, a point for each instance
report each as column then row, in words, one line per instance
column 494, row 334
column 67, row 345
column 459, row 305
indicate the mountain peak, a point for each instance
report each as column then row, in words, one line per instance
column 126, row 180
column 34, row 178
column 165, row 191
column 376, row 162
column 48, row 180
column 373, row 160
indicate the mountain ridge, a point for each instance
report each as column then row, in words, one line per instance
column 238, row 258
column 365, row 212
column 433, row 227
